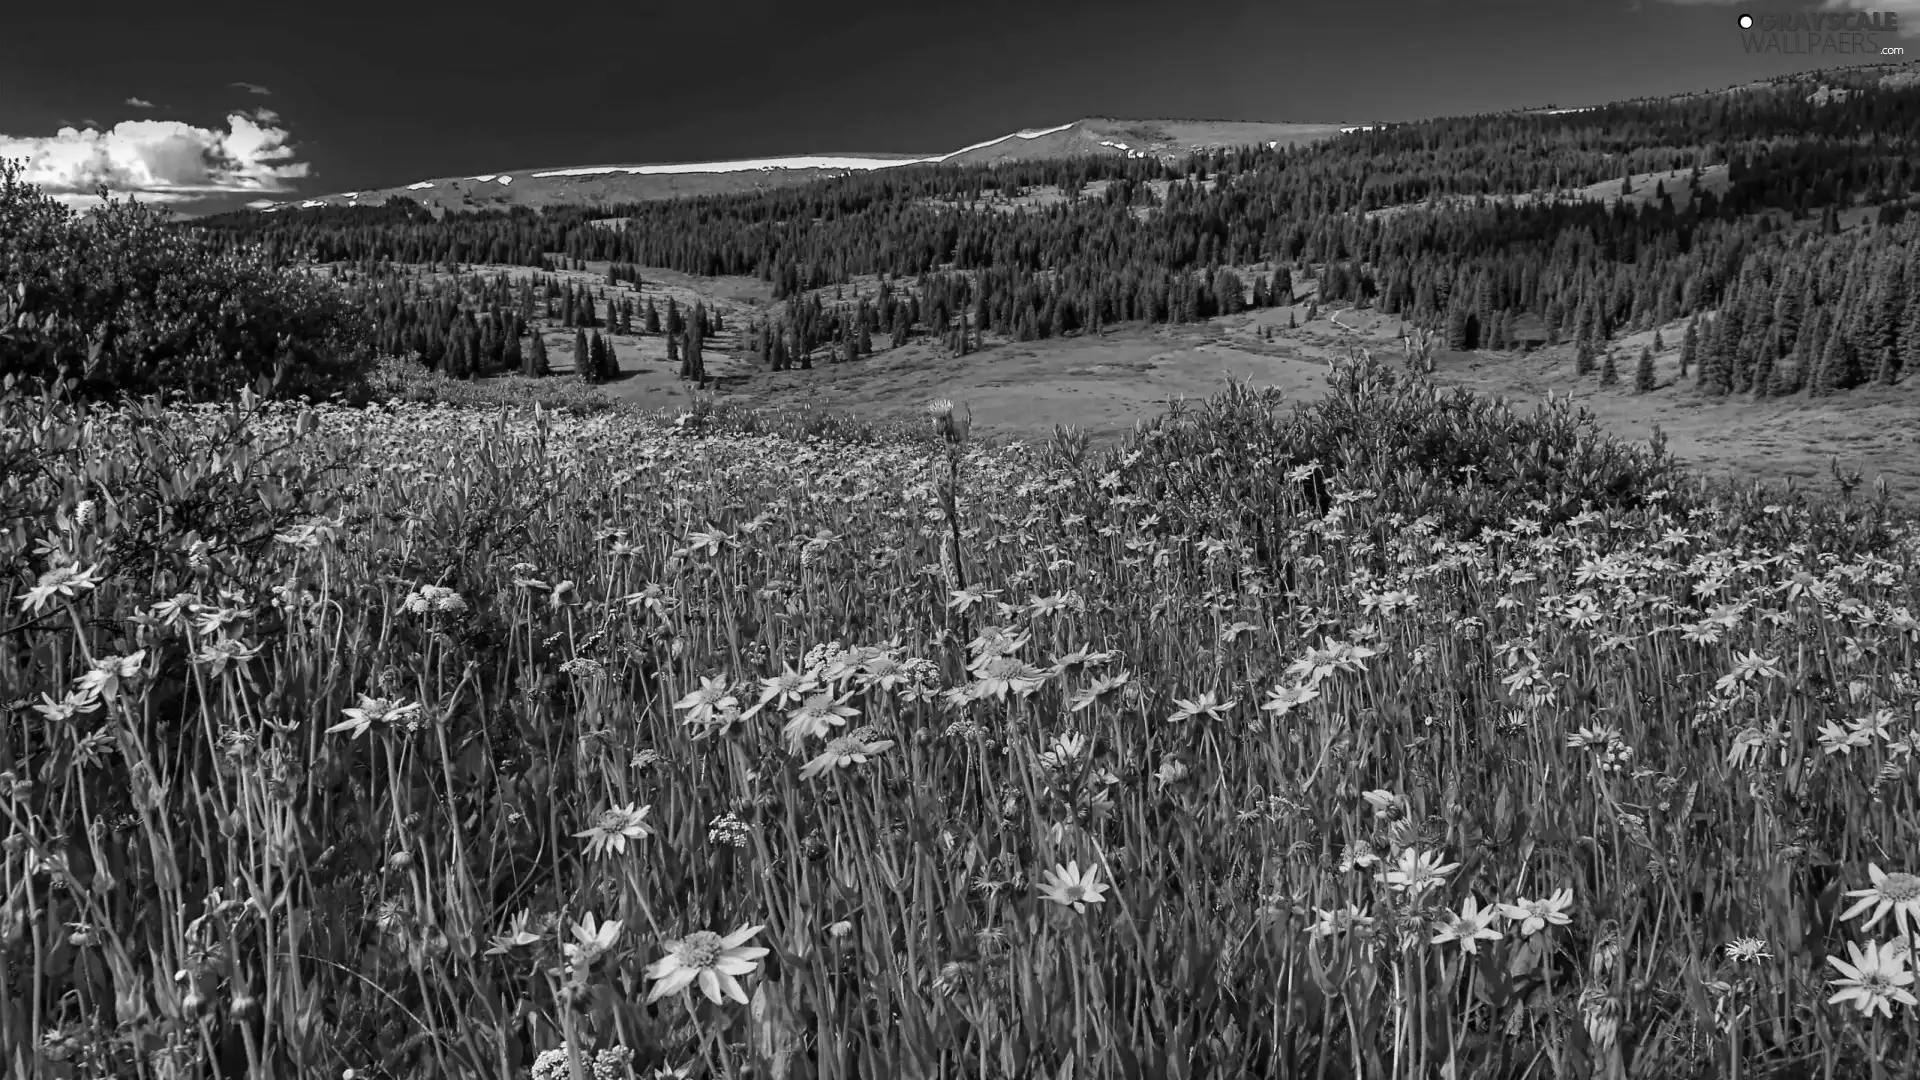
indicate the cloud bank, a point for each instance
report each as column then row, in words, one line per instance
column 1908, row 10
column 160, row 160
column 140, row 103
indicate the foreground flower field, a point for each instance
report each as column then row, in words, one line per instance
column 434, row 742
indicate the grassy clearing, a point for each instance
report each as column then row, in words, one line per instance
column 437, row 742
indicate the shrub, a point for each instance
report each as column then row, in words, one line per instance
column 123, row 302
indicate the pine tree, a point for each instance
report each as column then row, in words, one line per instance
column 511, row 358
column 1643, row 378
column 582, row 359
column 537, row 363
column 1761, row 377
column 1690, row 346
column 1457, row 331
column 1583, row 359
column 609, row 362
column 653, row 317
column 692, row 366
column 1609, row 372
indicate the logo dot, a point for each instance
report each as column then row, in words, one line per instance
column 1746, row 22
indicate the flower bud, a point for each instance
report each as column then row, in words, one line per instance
column 400, row 862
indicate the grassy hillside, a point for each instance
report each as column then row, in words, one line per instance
column 972, row 761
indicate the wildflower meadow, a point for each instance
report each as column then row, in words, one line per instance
column 416, row 741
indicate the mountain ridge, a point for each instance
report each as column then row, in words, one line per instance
column 615, row 183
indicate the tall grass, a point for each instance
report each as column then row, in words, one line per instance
column 410, row 740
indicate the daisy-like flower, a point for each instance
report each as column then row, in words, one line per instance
column 842, row 752
column 1339, row 921
column 1000, row 674
column 1068, row 887
column 1104, row 688
column 373, row 710
column 1284, row 699
column 1535, row 915
column 704, row 957
column 1874, row 980
column 1419, row 871
column 1898, row 893
column 1746, row 950
column 615, row 826
column 1470, row 927
column 1207, row 704
column 701, row 704
column 67, row 580
column 67, row 708
column 519, row 933
column 592, row 939
column 787, row 688
column 1064, row 752
column 104, row 679
column 820, row 714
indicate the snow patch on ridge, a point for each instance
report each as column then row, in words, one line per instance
column 420, row 185
column 812, row 161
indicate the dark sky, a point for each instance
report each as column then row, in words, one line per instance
column 384, row 94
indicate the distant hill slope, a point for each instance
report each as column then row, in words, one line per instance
column 577, row 185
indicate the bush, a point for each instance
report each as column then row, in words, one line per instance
column 123, row 302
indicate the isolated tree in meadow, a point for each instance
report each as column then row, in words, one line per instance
column 653, row 317
column 609, row 361
column 1643, row 377
column 1583, row 359
column 537, row 364
column 692, row 367
column 511, row 357
column 597, row 356
column 1609, row 371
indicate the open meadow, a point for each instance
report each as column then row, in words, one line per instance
column 443, row 742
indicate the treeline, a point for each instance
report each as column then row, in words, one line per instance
column 1138, row 239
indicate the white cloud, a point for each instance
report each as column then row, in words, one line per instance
column 160, row 160
column 251, row 88
column 140, row 103
column 265, row 116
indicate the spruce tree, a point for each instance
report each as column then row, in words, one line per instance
column 1690, row 346
column 582, row 359
column 1582, row 359
column 537, row 364
column 1609, row 372
column 609, row 362
column 511, row 358
column 1643, row 378
column 653, row 317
